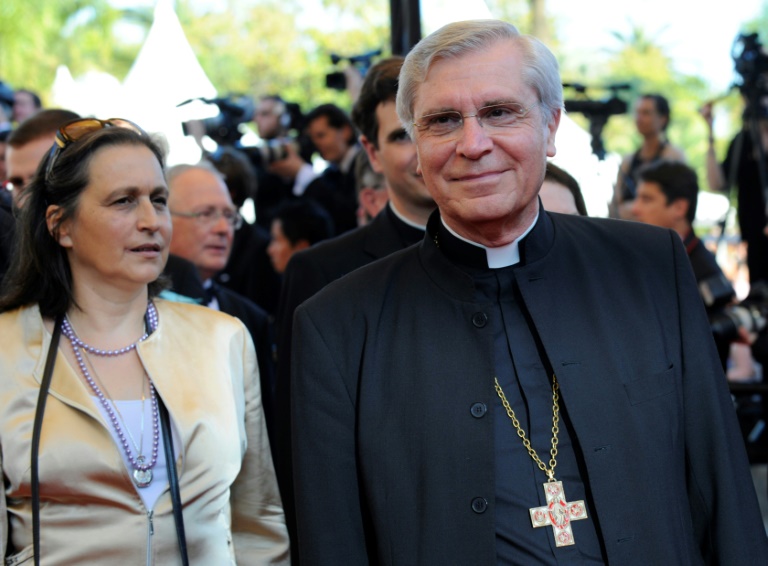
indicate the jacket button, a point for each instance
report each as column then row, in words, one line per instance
column 479, row 319
column 478, row 410
column 479, row 505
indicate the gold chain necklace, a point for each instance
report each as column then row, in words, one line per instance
column 558, row 512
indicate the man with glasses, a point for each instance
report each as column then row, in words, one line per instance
column 522, row 387
column 204, row 223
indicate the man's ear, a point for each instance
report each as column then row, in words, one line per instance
column 373, row 154
column 680, row 207
column 58, row 230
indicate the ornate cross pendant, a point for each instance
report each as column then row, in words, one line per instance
column 558, row 513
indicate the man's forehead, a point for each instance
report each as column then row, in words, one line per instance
column 197, row 185
column 495, row 75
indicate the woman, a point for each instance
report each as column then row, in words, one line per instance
column 93, row 240
column 652, row 116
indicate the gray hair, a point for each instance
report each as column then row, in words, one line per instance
column 461, row 38
column 177, row 170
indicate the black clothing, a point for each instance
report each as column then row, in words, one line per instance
column 249, row 272
column 309, row 271
column 394, row 404
column 750, row 203
column 335, row 191
column 637, row 163
column 7, row 231
column 524, row 375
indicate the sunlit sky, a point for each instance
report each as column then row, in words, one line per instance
column 697, row 35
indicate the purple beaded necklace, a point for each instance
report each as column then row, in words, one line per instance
column 142, row 471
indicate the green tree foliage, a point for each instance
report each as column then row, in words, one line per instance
column 261, row 48
column 36, row 36
column 641, row 60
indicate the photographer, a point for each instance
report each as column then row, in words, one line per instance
column 652, row 115
column 744, row 167
column 281, row 162
column 285, row 172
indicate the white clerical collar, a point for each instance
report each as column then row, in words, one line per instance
column 502, row 256
column 405, row 220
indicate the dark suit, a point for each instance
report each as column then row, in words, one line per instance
column 249, row 271
column 389, row 364
column 335, row 191
column 309, row 271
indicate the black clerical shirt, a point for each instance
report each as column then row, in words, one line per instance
column 525, row 376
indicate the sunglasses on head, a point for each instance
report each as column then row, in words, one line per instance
column 76, row 129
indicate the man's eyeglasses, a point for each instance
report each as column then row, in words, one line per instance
column 76, row 129
column 210, row 216
column 495, row 116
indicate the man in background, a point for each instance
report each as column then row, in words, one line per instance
column 286, row 177
column 25, row 104
column 28, row 144
column 401, row 223
column 332, row 133
column 297, row 226
column 204, row 221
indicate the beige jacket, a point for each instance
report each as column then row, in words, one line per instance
column 204, row 367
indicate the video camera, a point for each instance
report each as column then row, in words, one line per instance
column 751, row 63
column 725, row 318
column 597, row 111
column 337, row 80
column 223, row 128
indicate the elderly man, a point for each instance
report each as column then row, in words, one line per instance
column 520, row 388
column 204, row 222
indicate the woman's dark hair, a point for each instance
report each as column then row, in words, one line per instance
column 40, row 271
column 562, row 177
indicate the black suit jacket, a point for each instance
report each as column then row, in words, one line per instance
column 249, row 271
column 389, row 362
column 335, row 191
column 307, row 273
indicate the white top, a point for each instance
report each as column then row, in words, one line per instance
column 130, row 410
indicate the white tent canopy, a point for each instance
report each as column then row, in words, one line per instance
column 166, row 72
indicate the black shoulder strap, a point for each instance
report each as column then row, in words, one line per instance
column 173, row 480
column 42, row 397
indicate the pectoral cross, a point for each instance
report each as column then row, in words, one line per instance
column 558, row 513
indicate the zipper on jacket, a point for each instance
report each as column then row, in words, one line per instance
column 150, row 532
